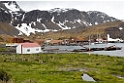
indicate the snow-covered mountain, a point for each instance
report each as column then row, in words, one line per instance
column 52, row 20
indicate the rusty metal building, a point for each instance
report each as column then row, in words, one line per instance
column 16, row 40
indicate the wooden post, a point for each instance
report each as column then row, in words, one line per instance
column 89, row 45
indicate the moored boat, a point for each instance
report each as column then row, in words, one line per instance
column 110, row 48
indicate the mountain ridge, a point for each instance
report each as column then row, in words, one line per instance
column 52, row 20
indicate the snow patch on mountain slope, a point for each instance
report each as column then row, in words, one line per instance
column 86, row 23
column 23, row 17
column 82, row 22
column 27, row 29
column 53, row 19
column 39, row 19
column 79, row 21
column 12, row 7
column 63, row 25
column 32, row 23
column 59, row 10
column 90, row 24
column 60, row 25
column 44, row 26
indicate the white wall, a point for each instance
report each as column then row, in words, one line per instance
column 12, row 44
column 23, row 50
column 18, row 49
column 31, row 50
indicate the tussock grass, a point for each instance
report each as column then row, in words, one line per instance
column 59, row 68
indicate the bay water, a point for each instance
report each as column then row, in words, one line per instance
column 119, row 53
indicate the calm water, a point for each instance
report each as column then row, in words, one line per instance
column 111, row 53
column 86, row 77
column 69, row 48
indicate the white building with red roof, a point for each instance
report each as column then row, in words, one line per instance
column 28, row 48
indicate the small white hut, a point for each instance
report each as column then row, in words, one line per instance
column 28, row 48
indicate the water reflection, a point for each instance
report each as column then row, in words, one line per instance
column 86, row 77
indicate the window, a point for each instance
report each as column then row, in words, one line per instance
column 28, row 50
column 37, row 49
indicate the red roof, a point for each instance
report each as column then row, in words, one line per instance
column 27, row 45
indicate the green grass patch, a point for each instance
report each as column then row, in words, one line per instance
column 62, row 68
column 3, row 49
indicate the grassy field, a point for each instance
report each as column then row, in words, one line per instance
column 62, row 68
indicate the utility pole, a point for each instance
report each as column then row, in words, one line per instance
column 89, row 45
column 120, row 28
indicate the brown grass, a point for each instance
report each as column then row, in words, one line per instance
column 6, row 82
column 94, row 30
column 74, row 33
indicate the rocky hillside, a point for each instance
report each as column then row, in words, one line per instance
column 60, row 19
column 9, row 13
column 57, row 19
column 102, row 30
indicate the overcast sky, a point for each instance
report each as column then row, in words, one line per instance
column 111, row 8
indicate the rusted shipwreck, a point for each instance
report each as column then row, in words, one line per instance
column 110, row 48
